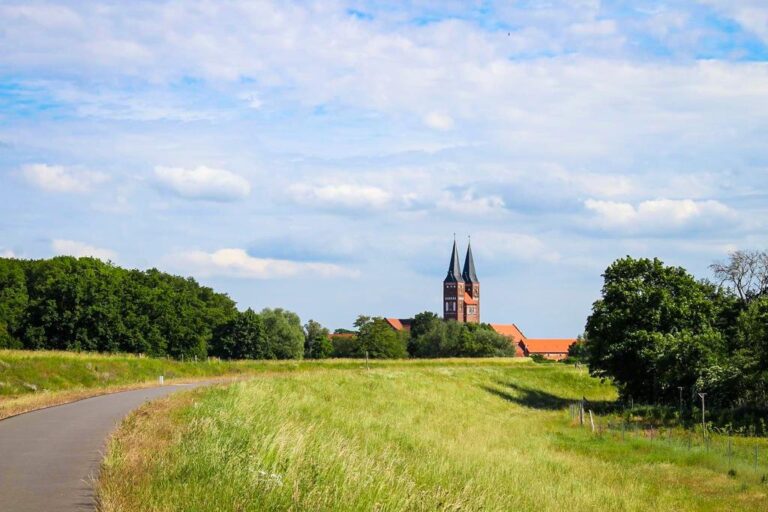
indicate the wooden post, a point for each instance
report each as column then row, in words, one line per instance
column 581, row 413
column 756, row 448
column 161, row 380
column 592, row 420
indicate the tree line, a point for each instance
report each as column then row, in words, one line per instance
column 659, row 333
column 428, row 337
column 67, row 303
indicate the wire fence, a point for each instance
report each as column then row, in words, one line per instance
column 718, row 449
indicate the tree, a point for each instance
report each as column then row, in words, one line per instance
column 745, row 272
column 85, row 304
column 345, row 345
column 283, row 335
column 240, row 338
column 648, row 312
column 422, row 323
column 751, row 352
column 377, row 339
column 13, row 302
column 454, row 339
column 317, row 343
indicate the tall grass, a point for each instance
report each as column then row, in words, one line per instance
column 34, row 379
column 401, row 437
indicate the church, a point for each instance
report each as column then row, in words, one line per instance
column 461, row 303
column 461, row 289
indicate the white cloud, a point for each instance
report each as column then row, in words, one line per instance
column 344, row 196
column 203, row 183
column 438, row 121
column 660, row 215
column 80, row 249
column 55, row 178
column 7, row 253
column 469, row 203
column 237, row 263
column 594, row 28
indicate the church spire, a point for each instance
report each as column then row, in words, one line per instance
column 468, row 274
column 454, row 272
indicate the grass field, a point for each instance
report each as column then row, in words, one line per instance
column 464, row 435
column 30, row 380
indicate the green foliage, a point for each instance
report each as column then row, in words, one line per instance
column 344, row 344
column 657, row 329
column 317, row 343
column 578, row 352
column 240, row 338
column 436, row 338
column 84, row 304
column 271, row 334
column 378, row 340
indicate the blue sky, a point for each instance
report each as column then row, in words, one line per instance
column 320, row 156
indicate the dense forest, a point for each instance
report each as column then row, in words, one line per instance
column 67, row 303
column 662, row 336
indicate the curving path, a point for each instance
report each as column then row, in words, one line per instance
column 50, row 458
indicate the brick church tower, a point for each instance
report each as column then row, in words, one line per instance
column 461, row 289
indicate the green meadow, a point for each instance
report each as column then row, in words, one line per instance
column 437, row 435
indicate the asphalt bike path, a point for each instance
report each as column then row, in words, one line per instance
column 50, row 458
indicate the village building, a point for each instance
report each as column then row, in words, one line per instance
column 461, row 303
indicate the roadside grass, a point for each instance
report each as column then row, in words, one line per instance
column 442, row 436
column 31, row 380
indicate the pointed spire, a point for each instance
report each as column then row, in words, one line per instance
column 468, row 274
column 454, row 271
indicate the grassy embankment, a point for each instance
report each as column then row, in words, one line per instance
column 30, row 380
column 472, row 435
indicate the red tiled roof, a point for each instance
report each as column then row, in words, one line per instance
column 548, row 346
column 395, row 323
column 469, row 300
column 509, row 330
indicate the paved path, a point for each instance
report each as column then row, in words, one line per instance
column 49, row 458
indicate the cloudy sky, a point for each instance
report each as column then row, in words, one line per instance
column 320, row 156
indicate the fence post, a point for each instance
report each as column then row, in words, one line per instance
column 756, row 448
column 581, row 413
column 592, row 421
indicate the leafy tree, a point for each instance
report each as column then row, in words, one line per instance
column 84, row 304
column 454, row 339
column 377, row 339
column 421, row 324
column 344, row 345
column 649, row 315
column 283, row 335
column 750, row 359
column 317, row 344
column 240, row 338
column 13, row 302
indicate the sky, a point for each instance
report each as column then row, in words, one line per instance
column 320, row 156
